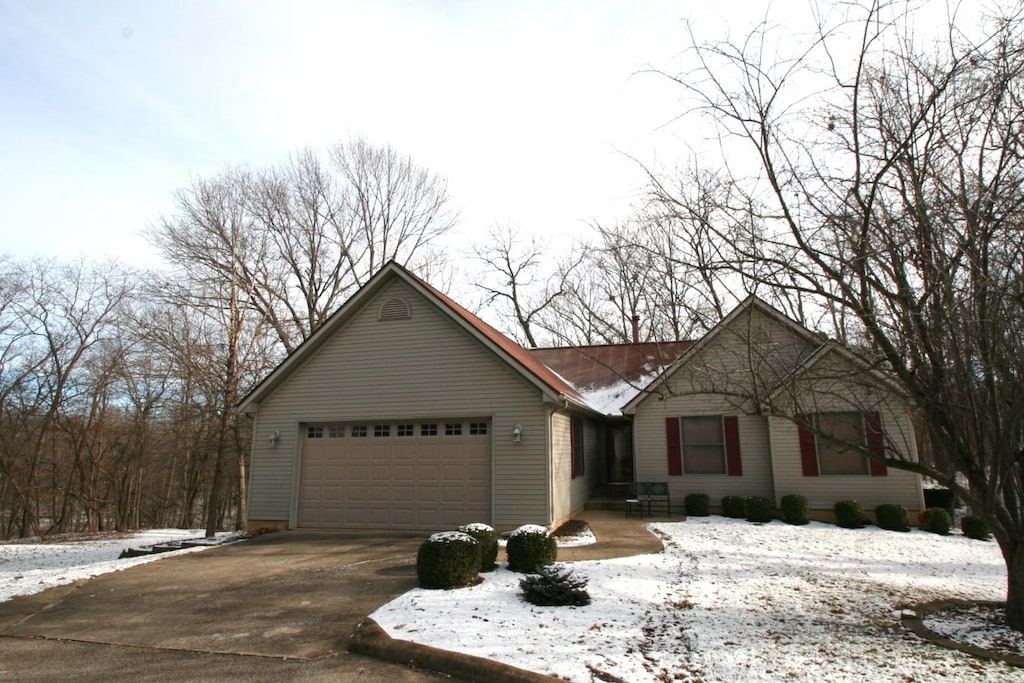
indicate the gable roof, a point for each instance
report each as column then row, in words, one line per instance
column 752, row 302
column 608, row 375
column 515, row 355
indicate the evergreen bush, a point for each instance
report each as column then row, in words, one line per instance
column 449, row 559
column 849, row 514
column 554, row 585
column 759, row 509
column 975, row 527
column 530, row 547
column 892, row 517
column 935, row 520
column 732, row 506
column 794, row 509
column 487, row 537
column 697, row 504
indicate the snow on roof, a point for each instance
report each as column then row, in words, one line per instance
column 607, row 376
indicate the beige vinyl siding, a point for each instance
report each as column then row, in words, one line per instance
column 569, row 494
column 711, row 384
column 652, row 449
column 561, row 466
column 834, row 385
column 420, row 368
column 822, row 492
column 754, row 345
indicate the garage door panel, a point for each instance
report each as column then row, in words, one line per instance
column 408, row 482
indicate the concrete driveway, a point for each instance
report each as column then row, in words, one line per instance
column 279, row 607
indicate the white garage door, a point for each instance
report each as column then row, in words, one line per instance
column 396, row 475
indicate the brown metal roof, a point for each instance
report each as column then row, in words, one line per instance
column 597, row 366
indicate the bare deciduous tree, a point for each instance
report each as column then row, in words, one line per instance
column 888, row 193
column 514, row 280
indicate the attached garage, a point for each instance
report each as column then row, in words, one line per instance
column 425, row 475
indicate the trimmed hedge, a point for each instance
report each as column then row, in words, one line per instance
column 794, row 509
column 975, row 527
column 554, row 585
column 892, row 517
column 733, row 506
column 449, row 559
column 759, row 509
column 697, row 504
column 935, row 520
column 849, row 514
column 530, row 547
column 487, row 537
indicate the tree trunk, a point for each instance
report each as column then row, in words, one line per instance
column 1013, row 554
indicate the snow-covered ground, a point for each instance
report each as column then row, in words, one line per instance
column 27, row 568
column 728, row 601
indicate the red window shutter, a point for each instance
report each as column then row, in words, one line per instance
column 808, row 448
column 733, row 461
column 876, row 444
column 673, row 438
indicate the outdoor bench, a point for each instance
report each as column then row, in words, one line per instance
column 643, row 495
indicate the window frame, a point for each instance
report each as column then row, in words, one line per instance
column 826, row 446
column 721, row 444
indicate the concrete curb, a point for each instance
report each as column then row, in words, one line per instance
column 371, row 640
column 914, row 617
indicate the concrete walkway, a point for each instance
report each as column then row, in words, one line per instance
column 617, row 536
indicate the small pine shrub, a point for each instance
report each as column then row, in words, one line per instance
column 732, row 506
column 554, row 585
column 794, row 509
column 759, row 509
column 530, row 547
column 449, row 559
column 975, row 527
column 892, row 517
column 487, row 537
column 935, row 520
column 697, row 504
column 849, row 514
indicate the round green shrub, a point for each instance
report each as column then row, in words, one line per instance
column 448, row 559
column 487, row 537
column 759, row 509
column 530, row 547
column 849, row 514
column 975, row 527
column 697, row 504
column 733, row 506
column 794, row 509
column 892, row 517
column 935, row 520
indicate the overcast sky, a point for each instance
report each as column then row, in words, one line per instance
column 107, row 107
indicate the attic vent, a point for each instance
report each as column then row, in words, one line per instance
column 394, row 309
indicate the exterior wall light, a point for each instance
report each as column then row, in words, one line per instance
column 275, row 437
column 517, row 433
